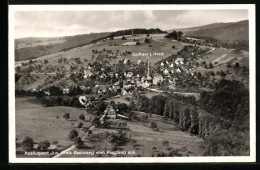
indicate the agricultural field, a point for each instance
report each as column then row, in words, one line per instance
column 222, row 56
column 144, row 141
column 158, row 44
column 41, row 123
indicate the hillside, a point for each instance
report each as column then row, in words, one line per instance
column 37, row 47
column 32, row 47
column 237, row 31
column 35, row 41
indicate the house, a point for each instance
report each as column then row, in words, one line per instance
column 178, row 70
column 171, row 65
column 179, row 61
column 157, row 78
column 165, row 71
column 162, row 64
column 139, row 62
column 110, row 112
column 47, row 93
column 146, row 84
column 125, row 61
column 117, row 88
column 87, row 74
column 132, row 83
column 129, row 74
column 138, row 83
column 149, row 78
column 143, row 79
column 83, row 88
column 66, row 91
column 101, row 88
column 83, row 100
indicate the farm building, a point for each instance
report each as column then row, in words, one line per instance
column 179, row 61
column 110, row 112
column 157, row 78
column 66, row 90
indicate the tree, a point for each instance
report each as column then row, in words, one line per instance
column 80, row 125
column 123, row 38
column 78, row 142
column 82, row 117
column 55, row 91
column 73, row 133
column 101, row 106
column 66, row 116
column 153, row 125
column 173, row 47
column 27, row 143
column 147, row 40
column 236, row 65
column 165, row 143
column 40, row 94
column 137, row 43
column 95, row 122
column 210, row 65
column 175, row 35
column 75, row 91
column 43, row 146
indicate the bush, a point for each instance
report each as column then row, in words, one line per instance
column 66, row 116
column 78, row 142
column 165, row 143
column 27, row 143
column 82, row 117
column 153, row 125
column 80, row 125
column 43, row 146
column 73, row 134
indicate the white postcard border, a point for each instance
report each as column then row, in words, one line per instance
column 252, row 84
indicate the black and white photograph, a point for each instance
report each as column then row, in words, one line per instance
column 137, row 83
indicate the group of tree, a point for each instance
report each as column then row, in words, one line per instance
column 220, row 117
column 175, row 35
column 136, row 31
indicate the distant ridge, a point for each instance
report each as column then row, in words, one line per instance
column 237, row 31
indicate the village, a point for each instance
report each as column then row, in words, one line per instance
column 117, row 99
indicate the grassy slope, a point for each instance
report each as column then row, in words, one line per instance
column 238, row 31
column 70, row 42
column 40, row 123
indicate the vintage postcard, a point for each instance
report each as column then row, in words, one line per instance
column 132, row 83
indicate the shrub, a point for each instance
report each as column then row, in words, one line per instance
column 82, row 117
column 73, row 134
column 43, row 146
column 66, row 116
column 80, row 125
column 55, row 142
column 165, row 143
column 27, row 143
column 78, row 142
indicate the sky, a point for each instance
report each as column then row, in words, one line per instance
column 66, row 23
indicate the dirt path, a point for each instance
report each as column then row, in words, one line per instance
column 66, row 150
